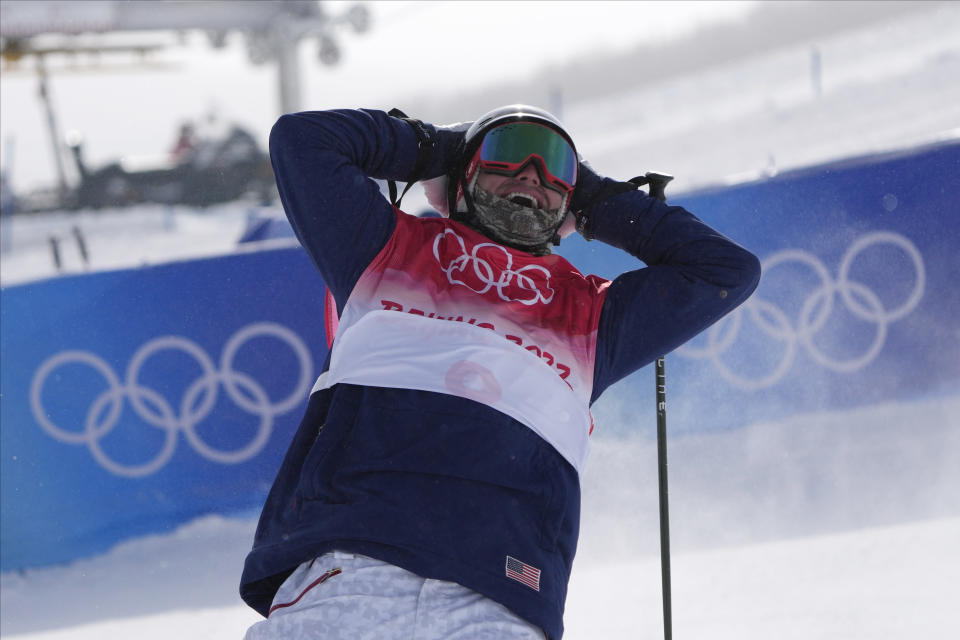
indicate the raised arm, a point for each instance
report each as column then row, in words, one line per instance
column 694, row 276
column 324, row 162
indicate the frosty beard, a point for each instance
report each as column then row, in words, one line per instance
column 525, row 228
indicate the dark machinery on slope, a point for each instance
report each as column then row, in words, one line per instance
column 213, row 171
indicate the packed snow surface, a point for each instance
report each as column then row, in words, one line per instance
column 886, row 583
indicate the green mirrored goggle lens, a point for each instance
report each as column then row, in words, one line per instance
column 510, row 146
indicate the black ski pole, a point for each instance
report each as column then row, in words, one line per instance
column 658, row 184
column 664, row 507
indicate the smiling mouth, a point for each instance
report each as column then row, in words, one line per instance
column 523, row 199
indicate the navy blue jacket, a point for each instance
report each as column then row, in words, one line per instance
column 419, row 479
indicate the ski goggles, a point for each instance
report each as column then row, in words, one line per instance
column 507, row 149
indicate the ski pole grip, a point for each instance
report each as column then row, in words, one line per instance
column 658, row 184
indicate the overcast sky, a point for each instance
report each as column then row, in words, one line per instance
column 411, row 49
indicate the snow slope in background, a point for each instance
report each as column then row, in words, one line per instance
column 840, row 525
column 886, row 87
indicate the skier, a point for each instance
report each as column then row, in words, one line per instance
column 432, row 489
column 185, row 144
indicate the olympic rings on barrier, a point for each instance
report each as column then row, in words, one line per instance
column 815, row 312
column 196, row 405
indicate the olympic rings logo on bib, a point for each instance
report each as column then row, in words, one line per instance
column 196, row 405
column 860, row 301
column 527, row 285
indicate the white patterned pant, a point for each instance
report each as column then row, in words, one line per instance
column 345, row 596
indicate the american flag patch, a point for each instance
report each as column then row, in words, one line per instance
column 522, row 572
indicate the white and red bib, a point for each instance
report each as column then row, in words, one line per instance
column 442, row 308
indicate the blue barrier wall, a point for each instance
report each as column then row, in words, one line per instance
column 857, row 303
column 135, row 400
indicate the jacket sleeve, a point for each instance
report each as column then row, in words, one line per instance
column 694, row 276
column 323, row 162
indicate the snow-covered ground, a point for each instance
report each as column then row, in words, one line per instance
column 118, row 238
column 887, row 583
column 841, row 525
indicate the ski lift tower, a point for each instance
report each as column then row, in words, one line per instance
column 272, row 31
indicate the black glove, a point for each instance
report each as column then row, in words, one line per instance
column 427, row 141
column 439, row 146
column 596, row 190
column 592, row 190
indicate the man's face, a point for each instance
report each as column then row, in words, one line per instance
column 524, row 188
